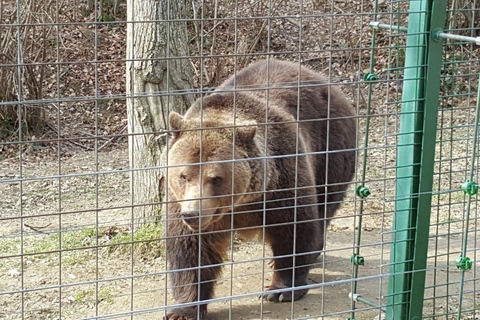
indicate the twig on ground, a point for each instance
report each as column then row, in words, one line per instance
column 35, row 228
column 118, row 136
column 294, row 22
column 70, row 140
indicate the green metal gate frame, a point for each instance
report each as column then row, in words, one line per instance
column 415, row 160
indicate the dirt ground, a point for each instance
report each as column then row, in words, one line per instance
column 133, row 280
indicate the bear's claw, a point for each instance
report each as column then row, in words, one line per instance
column 284, row 296
column 174, row 316
column 188, row 313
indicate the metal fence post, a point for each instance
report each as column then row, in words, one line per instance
column 415, row 160
column 408, row 160
column 430, row 115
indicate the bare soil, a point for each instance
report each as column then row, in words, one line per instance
column 133, row 280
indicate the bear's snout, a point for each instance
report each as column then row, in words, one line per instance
column 196, row 222
column 190, row 219
column 194, row 217
column 189, row 214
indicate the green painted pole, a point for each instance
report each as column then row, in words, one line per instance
column 408, row 160
column 430, row 116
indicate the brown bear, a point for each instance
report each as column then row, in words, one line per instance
column 270, row 152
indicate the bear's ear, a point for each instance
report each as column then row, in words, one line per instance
column 245, row 134
column 176, row 123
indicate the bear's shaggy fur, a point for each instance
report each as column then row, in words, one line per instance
column 272, row 156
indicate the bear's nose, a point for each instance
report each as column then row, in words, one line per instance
column 189, row 214
column 190, row 218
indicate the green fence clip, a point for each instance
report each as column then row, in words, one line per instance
column 363, row 191
column 436, row 34
column 369, row 76
column 357, row 260
column 463, row 263
column 470, row 187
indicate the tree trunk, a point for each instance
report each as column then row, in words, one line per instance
column 149, row 80
column 36, row 15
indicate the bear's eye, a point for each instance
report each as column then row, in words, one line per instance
column 183, row 178
column 216, row 181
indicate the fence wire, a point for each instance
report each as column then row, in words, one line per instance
column 82, row 225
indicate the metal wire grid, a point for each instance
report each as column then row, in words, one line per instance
column 119, row 284
column 456, row 162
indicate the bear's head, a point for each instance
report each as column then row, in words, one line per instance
column 206, row 172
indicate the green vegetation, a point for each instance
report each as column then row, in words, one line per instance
column 76, row 245
column 85, row 296
column 145, row 241
column 79, row 247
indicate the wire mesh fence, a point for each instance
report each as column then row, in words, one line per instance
column 454, row 221
column 94, row 225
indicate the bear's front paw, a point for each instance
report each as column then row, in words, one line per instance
column 284, row 296
column 188, row 313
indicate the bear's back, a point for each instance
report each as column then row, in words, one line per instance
column 276, row 84
column 324, row 106
column 271, row 73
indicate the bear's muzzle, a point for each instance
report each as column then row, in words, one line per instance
column 191, row 220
